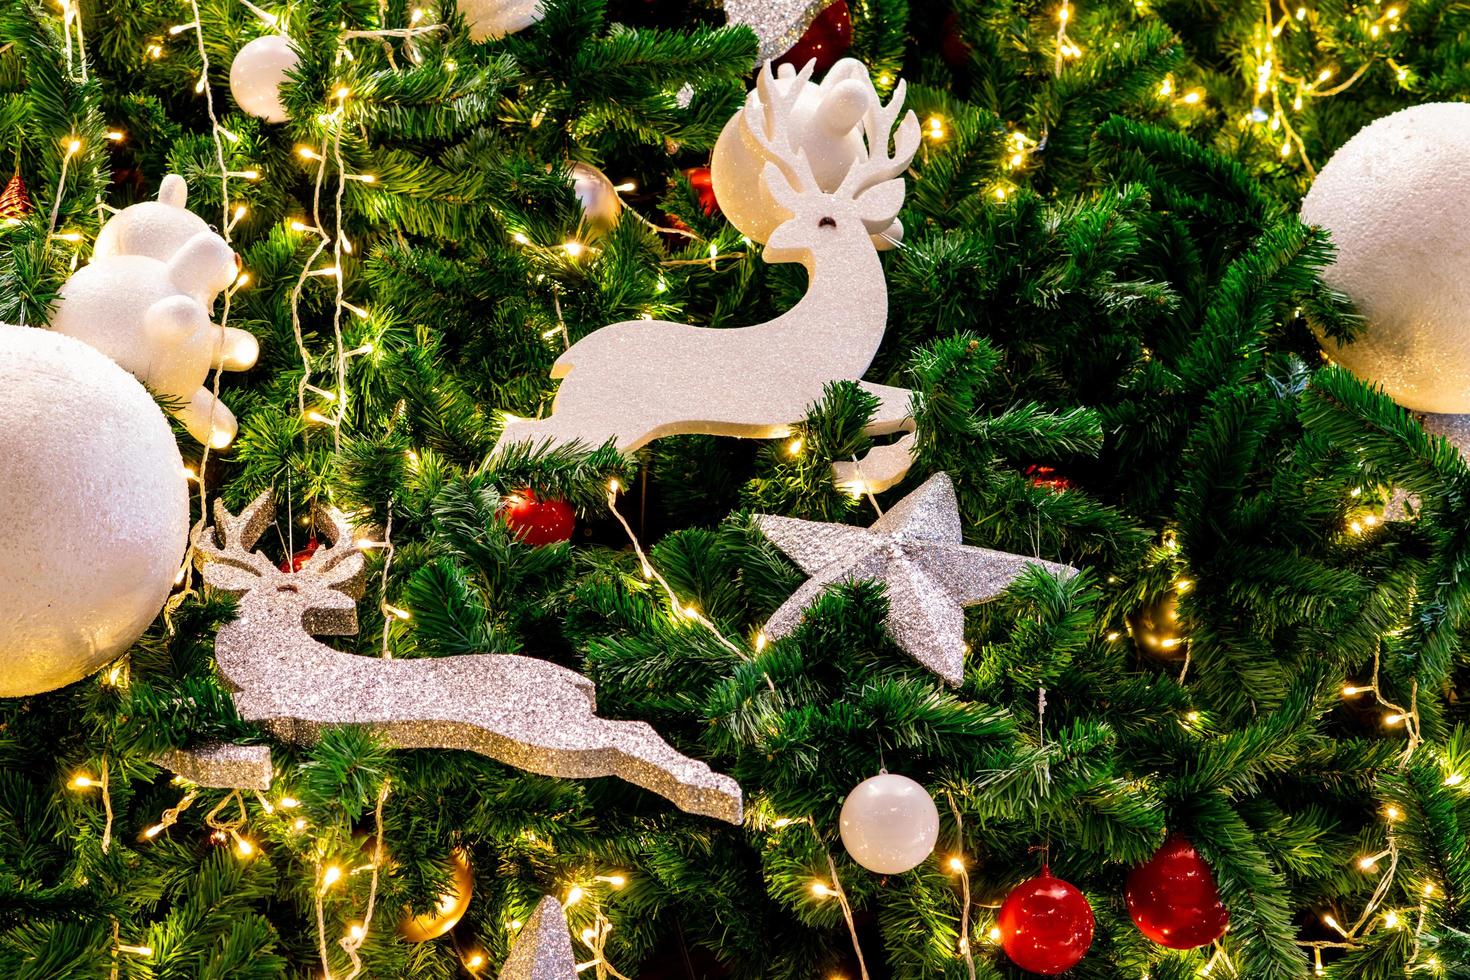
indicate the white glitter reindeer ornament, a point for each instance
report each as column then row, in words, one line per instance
column 641, row 380
column 145, row 301
column 524, row 712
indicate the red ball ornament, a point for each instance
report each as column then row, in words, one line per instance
column 1045, row 925
column 827, row 38
column 952, row 44
column 1047, row 476
column 538, row 522
column 1173, row 899
column 294, row 563
column 699, row 178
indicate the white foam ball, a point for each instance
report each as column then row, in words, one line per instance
column 889, row 824
column 497, row 18
column 156, row 229
column 93, row 505
column 257, row 73
column 1396, row 198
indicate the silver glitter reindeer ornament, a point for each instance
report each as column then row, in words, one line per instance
column 525, row 712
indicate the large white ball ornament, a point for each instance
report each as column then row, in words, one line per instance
column 889, row 824
column 94, row 510
column 495, row 19
column 826, row 124
column 1396, row 198
column 257, row 73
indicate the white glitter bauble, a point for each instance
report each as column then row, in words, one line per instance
column 93, row 506
column 156, row 229
column 826, row 124
column 1396, row 198
column 598, row 196
column 497, row 18
column 889, row 824
column 257, row 73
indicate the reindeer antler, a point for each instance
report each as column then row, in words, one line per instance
column 227, row 547
column 340, row 564
column 773, row 132
column 232, row 537
column 878, row 164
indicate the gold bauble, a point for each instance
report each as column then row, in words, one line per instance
column 1154, row 627
column 447, row 911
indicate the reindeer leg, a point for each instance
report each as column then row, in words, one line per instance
column 207, row 419
column 237, row 350
column 882, row 466
column 645, row 759
column 563, row 426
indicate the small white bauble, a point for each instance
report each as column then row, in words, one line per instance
column 93, row 505
column 496, row 18
column 598, row 196
column 257, row 73
column 826, row 124
column 889, row 824
column 156, row 229
column 1396, row 198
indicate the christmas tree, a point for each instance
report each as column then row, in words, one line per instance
column 955, row 557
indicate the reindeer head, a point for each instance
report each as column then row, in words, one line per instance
column 869, row 196
column 322, row 596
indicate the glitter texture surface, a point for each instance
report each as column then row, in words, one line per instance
column 778, row 24
column 524, row 712
column 640, row 380
column 1396, row 198
column 94, row 510
column 220, row 765
column 543, row 950
column 916, row 551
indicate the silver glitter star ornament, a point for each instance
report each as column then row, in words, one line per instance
column 778, row 24
column 543, row 950
column 524, row 712
column 916, row 550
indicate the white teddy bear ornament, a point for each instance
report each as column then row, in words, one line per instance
column 145, row 302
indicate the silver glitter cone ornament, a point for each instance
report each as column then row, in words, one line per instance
column 543, row 949
column 524, row 712
column 916, row 550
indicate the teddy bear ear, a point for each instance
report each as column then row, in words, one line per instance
column 173, row 191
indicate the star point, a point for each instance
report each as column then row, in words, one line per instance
column 917, row 551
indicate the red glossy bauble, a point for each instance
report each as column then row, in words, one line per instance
column 952, row 45
column 294, row 563
column 1047, row 476
column 538, row 522
column 826, row 40
column 1045, row 925
column 704, row 185
column 1173, row 898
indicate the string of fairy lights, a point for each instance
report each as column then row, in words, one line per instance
column 1274, row 84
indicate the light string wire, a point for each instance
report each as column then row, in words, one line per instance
column 680, row 609
column 957, row 865
column 594, row 937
